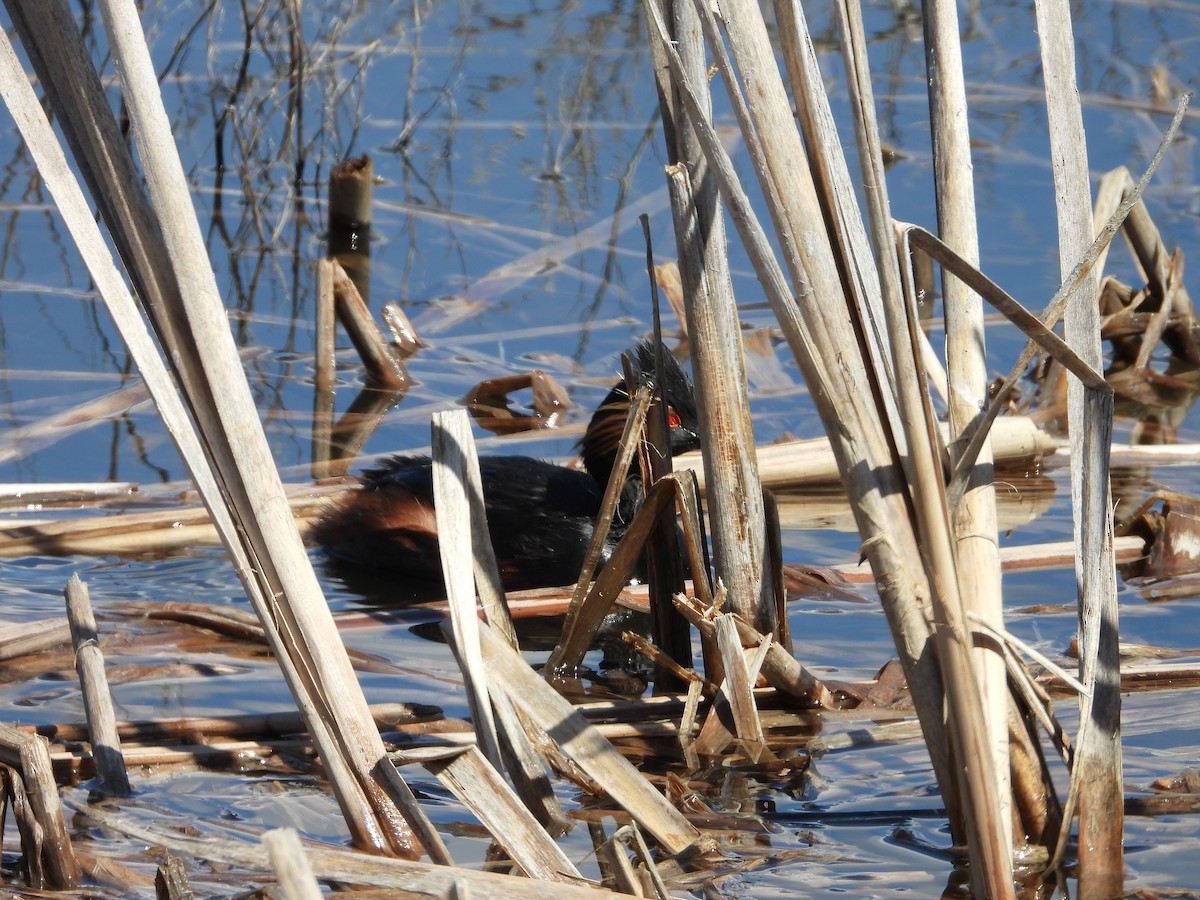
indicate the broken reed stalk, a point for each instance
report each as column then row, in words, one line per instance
column 1096, row 776
column 291, row 866
column 335, row 864
column 351, row 186
column 45, row 841
column 1153, row 258
column 384, row 369
column 735, row 509
column 324, row 373
column 552, row 714
column 482, row 789
column 451, row 447
column 462, row 523
column 184, row 304
column 974, row 516
column 853, row 397
column 97, row 698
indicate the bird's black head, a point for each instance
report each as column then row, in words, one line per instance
column 603, row 436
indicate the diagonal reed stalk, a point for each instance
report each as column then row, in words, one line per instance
column 878, row 417
column 227, row 453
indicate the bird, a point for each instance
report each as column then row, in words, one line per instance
column 541, row 515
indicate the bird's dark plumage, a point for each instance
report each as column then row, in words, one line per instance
column 541, row 516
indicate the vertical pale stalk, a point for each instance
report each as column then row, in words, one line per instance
column 833, row 326
column 1097, row 772
column 974, row 517
column 735, row 497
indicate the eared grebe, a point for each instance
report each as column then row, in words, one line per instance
column 541, row 516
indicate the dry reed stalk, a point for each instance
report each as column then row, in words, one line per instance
column 1050, row 317
column 45, row 841
column 459, row 505
column 974, row 516
column 97, row 699
column 21, row 638
column 737, row 689
column 780, row 669
column 27, row 439
column 404, row 336
column 1053, row 555
column 269, row 556
column 338, row 864
column 388, row 717
column 1154, row 261
column 877, row 492
column 324, row 373
column 562, row 723
column 1096, row 776
column 452, row 438
column 290, row 864
column 735, row 512
column 456, row 526
column 617, row 870
column 384, row 368
column 157, row 531
column 812, row 461
column 64, row 492
column 482, row 789
column 583, row 616
column 862, row 421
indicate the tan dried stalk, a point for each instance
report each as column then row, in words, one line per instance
column 1097, row 771
column 974, row 516
column 854, row 396
column 270, row 558
column 736, row 519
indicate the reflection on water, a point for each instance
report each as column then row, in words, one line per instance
column 515, row 146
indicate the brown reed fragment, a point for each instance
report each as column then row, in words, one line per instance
column 642, row 646
column 590, row 603
column 351, row 185
column 404, row 335
column 45, row 842
column 384, row 368
column 781, row 670
column 324, row 374
column 97, row 699
column 171, row 881
column 583, row 619
column 111, row 874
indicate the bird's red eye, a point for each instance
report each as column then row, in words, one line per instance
column 673, row 419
